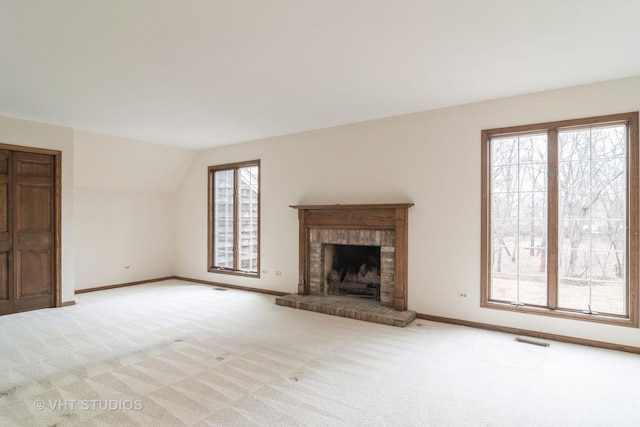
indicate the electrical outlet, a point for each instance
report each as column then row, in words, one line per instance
column 278, row 273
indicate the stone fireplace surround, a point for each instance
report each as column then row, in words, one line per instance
column 384, row 225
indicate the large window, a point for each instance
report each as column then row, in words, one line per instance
column 560, row 219
column 234, row 218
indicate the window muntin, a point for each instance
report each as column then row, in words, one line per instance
column 248, row 218
column 224, row 218
column 519, row 219
column 561, row 212
column 592, row 184
column 234, row 224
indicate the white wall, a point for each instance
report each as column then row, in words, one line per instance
column 431, row 159
column 121, row 203
column 125, row 216
column 123, row 236
column 39, row 135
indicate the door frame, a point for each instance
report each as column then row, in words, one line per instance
column 57, row 201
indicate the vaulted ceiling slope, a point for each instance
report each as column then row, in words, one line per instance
column 202, row 73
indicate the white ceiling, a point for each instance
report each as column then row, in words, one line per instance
column 201, row 73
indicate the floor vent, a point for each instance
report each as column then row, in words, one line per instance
column 220, row 289
column 538, row 343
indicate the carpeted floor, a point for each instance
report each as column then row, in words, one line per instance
column 177, row 353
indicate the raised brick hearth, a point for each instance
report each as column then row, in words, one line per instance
column 353, row 308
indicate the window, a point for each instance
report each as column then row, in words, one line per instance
column 560, row 219
column 234, row 218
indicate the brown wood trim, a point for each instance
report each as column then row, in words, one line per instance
column 485, row 228
column 363, row 206
column 552, row 218
column 303, row 253
column 186, row 279
column 564, row 313
column 25, row 149
column 58, row 227
column 210, row 219
column 225, row 285
column 234, row 272
column 122, row 285
column 365, row 216
column 535, row 334
column 400, row 287
column 562, row 124
column 356, row 218
column 68, row 303
column 633, row 241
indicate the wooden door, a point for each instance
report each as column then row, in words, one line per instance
column 27, row 231
column 6, row 283
column 33, row 230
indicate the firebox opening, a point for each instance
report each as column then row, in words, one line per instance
column 353, row 270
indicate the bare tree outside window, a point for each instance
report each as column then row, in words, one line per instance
column 592, row 196
column 519, row 218
column 560, row 215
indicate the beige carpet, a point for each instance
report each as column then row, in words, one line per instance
column 176, row 353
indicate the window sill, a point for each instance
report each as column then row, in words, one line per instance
column 235, row 272
column 563, row 314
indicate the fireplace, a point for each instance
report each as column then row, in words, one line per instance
column 352, row 270
column 357, row 250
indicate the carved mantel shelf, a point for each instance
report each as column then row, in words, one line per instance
column 387, row 216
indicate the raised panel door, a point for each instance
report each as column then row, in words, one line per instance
column 33, row 236
column 6, row 288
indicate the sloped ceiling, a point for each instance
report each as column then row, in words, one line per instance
column 201, row 73
column 115, row 163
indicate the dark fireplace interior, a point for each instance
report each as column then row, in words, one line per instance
column 353, row 270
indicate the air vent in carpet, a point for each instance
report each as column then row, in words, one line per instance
column 527, row 341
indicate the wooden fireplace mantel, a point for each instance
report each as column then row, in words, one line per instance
column 387, row 216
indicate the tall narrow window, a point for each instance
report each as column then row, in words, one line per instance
column 234, row 218
column 519, row 218
column 560, row 219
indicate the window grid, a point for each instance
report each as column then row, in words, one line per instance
column 523, row 235
column 606, row 230
column 234, row 225
column 584, row 290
